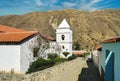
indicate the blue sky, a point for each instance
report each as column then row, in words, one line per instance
column 25, row 6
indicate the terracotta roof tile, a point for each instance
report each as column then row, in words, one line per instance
column 4, row 28
column 78, row 52
column 99, row 47
column 10, row 34
column 115, row 39
column 46, row 37
column 14, row 37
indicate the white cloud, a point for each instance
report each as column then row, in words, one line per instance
column 92, row 5
column 39, row 3
column 68, row 4
column 86, row 5
column 45, row 2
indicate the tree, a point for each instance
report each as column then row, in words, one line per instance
column 76, row 46
column 38, row 47
column 41, row 47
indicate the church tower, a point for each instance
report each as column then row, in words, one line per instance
column 64, row 37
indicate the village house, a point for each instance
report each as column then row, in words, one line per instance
column 17, row 48
column 14, row 49
column 110, row 59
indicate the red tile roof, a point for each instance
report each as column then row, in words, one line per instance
column 115, row 39
column 10, row 34
column 15, row 37
column 99, row 47
column 4, row 28
column 46, row 37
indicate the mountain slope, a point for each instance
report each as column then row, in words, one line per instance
column 89, row 28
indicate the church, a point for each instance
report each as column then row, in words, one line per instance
column 63, row 41
column 64, row 37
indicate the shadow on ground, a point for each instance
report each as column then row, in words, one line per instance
column 89, row 74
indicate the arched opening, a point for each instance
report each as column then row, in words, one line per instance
column 63, row 37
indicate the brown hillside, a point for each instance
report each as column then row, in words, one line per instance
column 89, row 28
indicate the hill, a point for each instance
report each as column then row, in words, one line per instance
column 89, row 28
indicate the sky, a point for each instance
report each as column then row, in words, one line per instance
column 8, row 7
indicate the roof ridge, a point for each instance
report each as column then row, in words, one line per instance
column 64, row 24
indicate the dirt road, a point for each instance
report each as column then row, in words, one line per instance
column 80, row 70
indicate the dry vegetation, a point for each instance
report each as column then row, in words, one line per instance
column 89, row 28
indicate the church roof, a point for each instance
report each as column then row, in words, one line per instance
column 10, row 34
column 64, row 24
column 15, row 37
column 4, row 29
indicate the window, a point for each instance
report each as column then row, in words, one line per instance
column 63, row 47
column 63, row 37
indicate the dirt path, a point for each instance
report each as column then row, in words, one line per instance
column 77, row 72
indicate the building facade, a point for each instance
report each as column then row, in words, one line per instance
column 111, row 58
column 15, row 53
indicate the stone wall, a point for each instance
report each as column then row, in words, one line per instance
column 44, row 75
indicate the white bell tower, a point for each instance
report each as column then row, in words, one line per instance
column 64, row 37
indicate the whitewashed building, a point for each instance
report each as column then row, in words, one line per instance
column 64, row 37
column 15, row 54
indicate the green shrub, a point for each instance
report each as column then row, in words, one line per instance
column 66, row 53
column 86, row 54
column 58, row 60
column 72, row 57
column 40, row 64
column 76, row 45
column 52, row 55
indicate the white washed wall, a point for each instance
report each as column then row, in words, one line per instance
column 66, row 32
column 10, row 58
column 95, row 57
column 67, row 47
column 67, row 42
column 27, row 54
